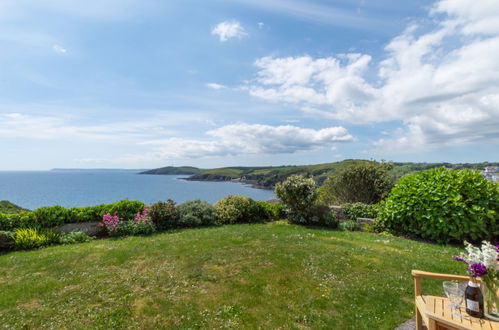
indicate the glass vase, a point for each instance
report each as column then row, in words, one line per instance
column 491, row 299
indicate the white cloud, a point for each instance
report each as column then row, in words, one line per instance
column 260, row 25
column 59, row 49
column 47, row 127
column 228, row 29
column 443, row 85
column 159, row 141
column 239, row 139
column 215, row 86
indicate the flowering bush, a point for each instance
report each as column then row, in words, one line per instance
column 111, row 223
column 298, row 195
column 140, row 225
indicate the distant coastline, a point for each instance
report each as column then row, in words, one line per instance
column 266, row 177
column 96, row 170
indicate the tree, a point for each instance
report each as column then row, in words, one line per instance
column 367, row 182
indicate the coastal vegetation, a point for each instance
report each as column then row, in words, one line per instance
column 269, row 176
column 197, row 265
column 438, row 204
column 10, row 208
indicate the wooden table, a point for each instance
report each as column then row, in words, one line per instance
column 438, row 315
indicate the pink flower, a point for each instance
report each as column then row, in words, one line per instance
column 110, row 221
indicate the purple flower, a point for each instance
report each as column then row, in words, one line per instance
column 477, row 270
column 457, row 258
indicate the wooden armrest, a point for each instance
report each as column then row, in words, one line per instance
column 420, row 273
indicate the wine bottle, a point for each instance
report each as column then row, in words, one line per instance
column 474, row 299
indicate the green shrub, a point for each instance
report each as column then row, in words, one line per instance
column 14, row 221
column 31, row 238
column 238, row 209
column 51, row 216
column 196, row 213
column 6, row 240
column 10, row 208
column 164, row 215
column 54, row 216
column 366, row 182
column 442, row 205
column 125, row 208
column 360, row 210
column 348, row 225
column 323, row 216
column 87, row 214
column 76, row 236
column 298, row 195
column 135, row 228
column 273, row 211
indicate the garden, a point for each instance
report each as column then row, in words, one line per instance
column 241, row 263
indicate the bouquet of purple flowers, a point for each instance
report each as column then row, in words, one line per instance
column 483, row 263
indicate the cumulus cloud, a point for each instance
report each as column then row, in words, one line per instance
column 442, row 84
column 228, row 29
column 215, row 86
column 239, row 139
column 59, row 49
column 158, row 140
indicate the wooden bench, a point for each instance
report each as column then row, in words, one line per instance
column 433, row 312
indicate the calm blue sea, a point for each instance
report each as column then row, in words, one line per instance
column 34, row 189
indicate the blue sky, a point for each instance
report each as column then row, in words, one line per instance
column 144, row 84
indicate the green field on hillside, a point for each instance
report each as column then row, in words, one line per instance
column 273, row 275
column 268, row 176
column 10, row 208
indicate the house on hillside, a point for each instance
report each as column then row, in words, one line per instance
column 491, row 173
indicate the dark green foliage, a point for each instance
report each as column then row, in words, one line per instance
column 321, row 215
column 6, row 240
column 269, row 176
column 135, row 228
column 238, row 209
column 13, row 221
column 125, row 209
column 74, row 237
column 173, row 170
column 54, row 216
column 51, row 216
column 10, row 208
column 164, row 215
column 196, row 213
column 31, row 238
column 298, row 195
column 360, row 210
column 366, row 182
column 348, row 225
column 273, row 211
column 442, row 205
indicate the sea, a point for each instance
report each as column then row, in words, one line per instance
column 33, row 189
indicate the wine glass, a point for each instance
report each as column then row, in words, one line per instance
column 455, row 292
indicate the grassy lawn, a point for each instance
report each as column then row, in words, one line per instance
column 240, row 276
